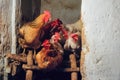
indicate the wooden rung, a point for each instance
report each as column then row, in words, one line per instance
column 69, row 69
column 30, row 67
column 34, row 67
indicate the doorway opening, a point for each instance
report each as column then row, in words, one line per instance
column 69, row 13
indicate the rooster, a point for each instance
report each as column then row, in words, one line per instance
column 51, row 55
column 31, row 31
column 50, row 28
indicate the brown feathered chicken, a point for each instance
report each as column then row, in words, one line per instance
column 51, row 55
column 31, row 32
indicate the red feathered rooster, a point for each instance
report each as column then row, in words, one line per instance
column 49, row 29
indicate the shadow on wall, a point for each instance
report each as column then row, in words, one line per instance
column 67, row 10
column 30, row 9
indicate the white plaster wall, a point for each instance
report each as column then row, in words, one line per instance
column 101, row 20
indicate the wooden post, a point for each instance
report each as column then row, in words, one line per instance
column 73, row 65
column 29, row 73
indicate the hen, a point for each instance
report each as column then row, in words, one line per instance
column 31, row 31
column 72, row 43
column 71, row 34
column 73, row 40
column 51, row 55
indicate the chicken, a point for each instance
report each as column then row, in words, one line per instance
column 72, row 43
column 55, row 42
column 71, row 35
column 31, row 31
column 50, row 28
column 51, row 55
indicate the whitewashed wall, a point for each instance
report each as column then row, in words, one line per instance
column 9, row 22
column 101, row 20
column 5, row 33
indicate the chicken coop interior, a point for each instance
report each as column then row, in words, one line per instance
column 46, row 40
column 54, row 54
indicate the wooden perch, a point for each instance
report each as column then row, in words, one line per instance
column 29, row 67
column 34, row 67
column 73, row 65
column 17, row 57
column 29, row 73
column 69, row 69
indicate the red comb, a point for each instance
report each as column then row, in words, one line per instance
column 74, row 36
column 46, row 44
column 56, row 22
column 47, row 16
